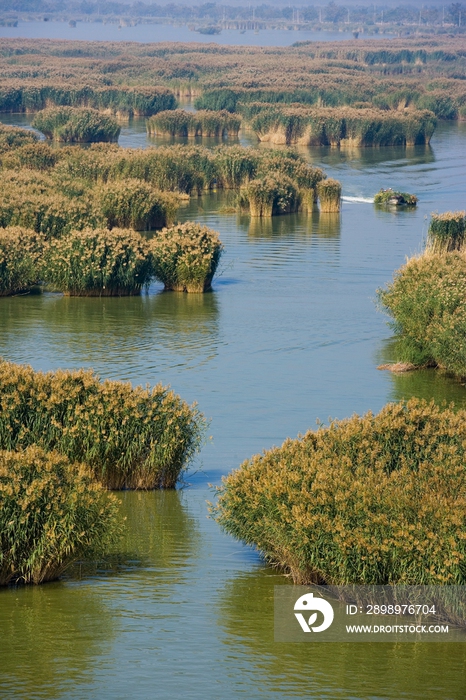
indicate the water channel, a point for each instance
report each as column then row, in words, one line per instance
column 289, row 334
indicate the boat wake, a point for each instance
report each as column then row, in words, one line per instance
column 367, row 200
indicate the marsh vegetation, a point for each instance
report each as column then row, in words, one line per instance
column 368, row 500
column 447, row 232
column 52, row 512
column 185, row 257
column 426, row 302
column 340, row 127
column 76, row 125
column 218, row 124
column 128, row 437
column 21, row 252
column 98, row 262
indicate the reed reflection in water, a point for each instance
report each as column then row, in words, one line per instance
column 118, row 334
column 328, row 671
column 55, row 635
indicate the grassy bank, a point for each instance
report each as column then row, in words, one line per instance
column 368, row 500
column 129, row 437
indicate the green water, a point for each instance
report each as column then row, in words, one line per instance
column 289, row 334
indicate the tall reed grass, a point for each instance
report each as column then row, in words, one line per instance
column 426, row 302
column 185, row 257
column 270, row 195
column 130, row 437
column 21, row 252
column 329, row 193
column 121, row 77
column 13, row 137
column 76, row 125
column 447, row 231
column 178, row 122
column 52, row 512
column 33, row 200
column 35, row 156
column 124, row 100
column 135, row 204
column 98, row 262
column 377, row 499
column 341, row 127
column 57, row 201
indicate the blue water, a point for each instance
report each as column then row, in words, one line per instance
column 98, row 31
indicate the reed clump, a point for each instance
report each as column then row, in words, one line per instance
column 426, row 302
column 209, row 123
column 98, row 262
column 340, row 127
column 373, row 499
column 76, row 125
column 57, row 201
column 447, row 232
column 269, row 196
column 129, row 437
column 173, row 168
column 13, row 137
column 329, row 193
column 390, row 196
column 235, row 165
column 185, row 257
column 21, row 252
column 36, row 156
column 34, row 200
column 38, row 93
column 52, row 512
column 135, row 204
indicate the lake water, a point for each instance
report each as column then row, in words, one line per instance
column 289, row 334
column 98, row 31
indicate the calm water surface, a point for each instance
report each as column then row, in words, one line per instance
column 98, row 31
column 289, row 334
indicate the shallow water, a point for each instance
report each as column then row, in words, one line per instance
column 98, row 31
column 289, row 334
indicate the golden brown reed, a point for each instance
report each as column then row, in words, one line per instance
column 426, row 302
column 185, row 257
column 376, row 499
column 130, row 437
column 52, row 512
